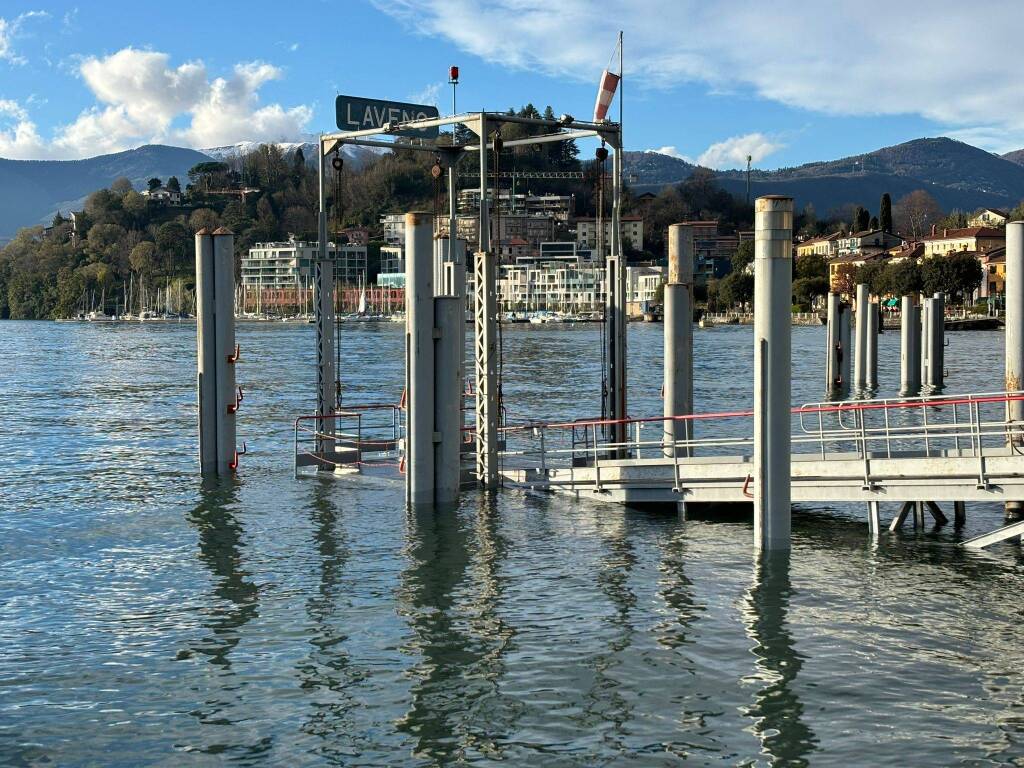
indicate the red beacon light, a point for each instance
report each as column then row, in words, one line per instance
column 453, row 74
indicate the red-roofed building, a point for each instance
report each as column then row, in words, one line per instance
column 977, row 239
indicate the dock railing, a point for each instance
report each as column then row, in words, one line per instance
column 968, row 425
column 369, row 435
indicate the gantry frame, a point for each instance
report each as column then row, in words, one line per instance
column 482, row 124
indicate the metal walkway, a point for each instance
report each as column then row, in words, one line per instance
column 946, row 448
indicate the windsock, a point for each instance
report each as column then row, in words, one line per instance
column 605, row 94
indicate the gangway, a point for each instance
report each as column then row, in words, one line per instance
column 953, row 448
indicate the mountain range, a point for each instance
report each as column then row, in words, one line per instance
column 958, row 175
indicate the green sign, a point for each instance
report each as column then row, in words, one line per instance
column 356, row 114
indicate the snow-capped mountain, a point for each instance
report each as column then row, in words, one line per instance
column 357, row 157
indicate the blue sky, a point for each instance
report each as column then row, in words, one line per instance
column 789, row 82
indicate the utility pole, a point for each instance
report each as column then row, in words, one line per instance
column 749, row 158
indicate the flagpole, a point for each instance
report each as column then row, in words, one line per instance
column 620, row 83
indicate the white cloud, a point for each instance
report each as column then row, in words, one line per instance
column 430, row 95
column 142, row 98
column 834, row 58
column 18, row 135
column 730, row 153
column 733, row 152
column 9, row 29
column 671, row 151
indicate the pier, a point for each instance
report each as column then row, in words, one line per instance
column 902, row 458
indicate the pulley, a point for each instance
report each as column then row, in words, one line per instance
column 336, row 162
column 601, row 153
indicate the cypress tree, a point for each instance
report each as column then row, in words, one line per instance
column 885, row 213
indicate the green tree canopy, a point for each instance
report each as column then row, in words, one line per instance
column 956, row 275
column 743, row 257
column 901, row 278
column 736, row 288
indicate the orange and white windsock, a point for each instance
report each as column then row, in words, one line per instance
column 605, row 94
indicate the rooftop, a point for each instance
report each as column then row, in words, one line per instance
column 949, row 234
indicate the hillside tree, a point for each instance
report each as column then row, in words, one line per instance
column 885, row 213
column 915, row 212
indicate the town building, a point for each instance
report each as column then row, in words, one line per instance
column 824, row 246
column 713, row 251
column 993, row 279
column 513, row 232
column 866, row 242
column 841, row 269
column 989, row 217
column 393, row 228
column 560, row 284
column 977, row 239
column 558, row 207
column 162, row 195
column 289, row 265
column 631, row 231
column 356, row 235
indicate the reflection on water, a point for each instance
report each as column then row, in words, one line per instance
column 326, row 673
column 438, row 556
column 220, row 550
column 777, row 711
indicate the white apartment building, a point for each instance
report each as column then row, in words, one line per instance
column 290, row 264
column 632, row 229
column 532, row 284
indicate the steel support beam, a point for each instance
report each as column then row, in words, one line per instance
column 1014, row 352
column 1014, row 530
column 485, row 346
column 773, row 284
column 910, row 348
column 871, row 350
column 450, row 323
column 323, row 315
column 419, row 340
column 677, row 385
column 860, row 341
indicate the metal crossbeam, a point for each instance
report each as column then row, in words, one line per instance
column 1002, row 534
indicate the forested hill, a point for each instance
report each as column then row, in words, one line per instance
column 32, row 190
column 956, row 174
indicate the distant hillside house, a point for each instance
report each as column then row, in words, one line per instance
column 978, row 239
column 912, row 251
column 989, row 217
column 868, row 241
column 162, row 195
column 819, row 246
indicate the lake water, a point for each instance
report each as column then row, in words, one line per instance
column 149, row 619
